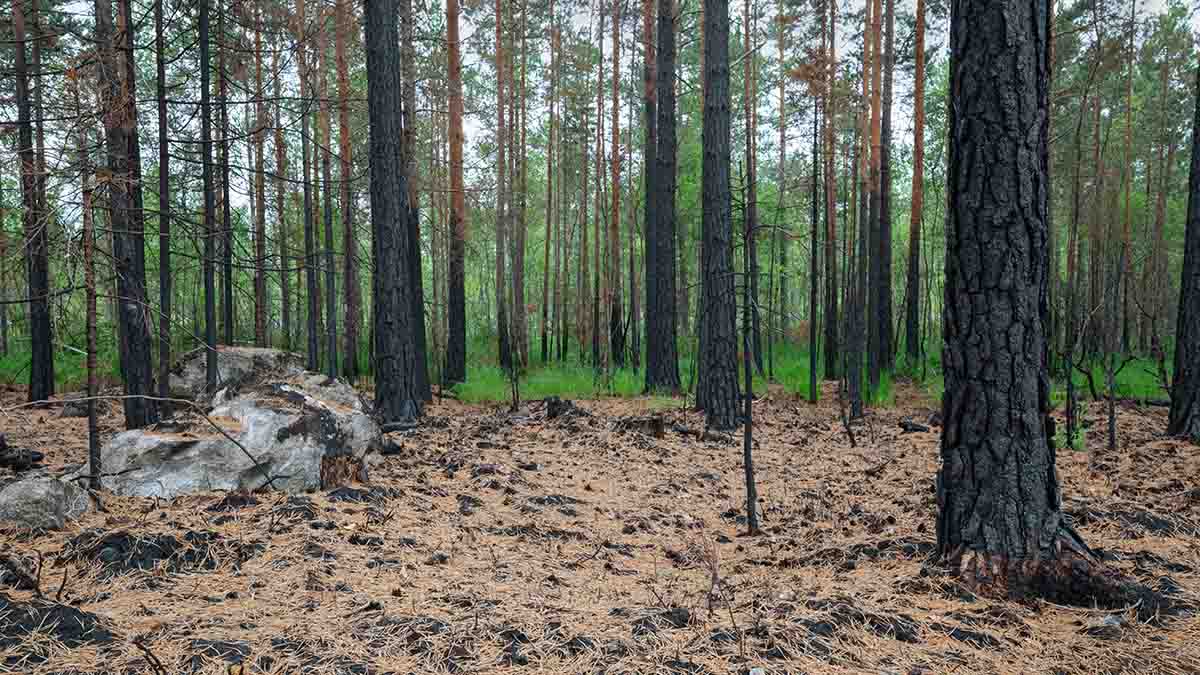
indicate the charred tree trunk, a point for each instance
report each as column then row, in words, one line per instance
column 1185, row 391
column 117, row 96
column 650, row 256
column 41, row 370
column 616, row 328
column 164, row 215
column 662, row 357
column 324, row 146
column 456, row 348
column 282, row 232
column 397, row 395
column 886, row 341
column 873, row 306
column 210, row 225
column 346, row 27
column 227, row 308
column 416, row 277
column 749, row 102
column 912, row 303
column 505, row 351
column 1000, row 525
column 832, row 356
column 520, row 318
column 550, row 165
column 310, row 267
column 260, row 189
column 718, row 389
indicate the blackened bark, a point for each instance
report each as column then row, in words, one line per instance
column 227, row 309
column 650, row 170
column 416, row 278
column 814, row 273
column 1000, row 524
column 346, row 27
column 856, row 323
column 397, row 397
column 310, row 262
column 832, row 325
column 886, row 342
column 324, row 146
column 164, row 209
column 210, row 226
column 41, row 371
column 1185, row 390
column 281, row 232
column 718, row 389
column 750, row 95
column 662, row 357
column 118, row 100
column 912, row 305
column 456, row 347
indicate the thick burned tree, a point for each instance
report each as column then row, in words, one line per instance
column 397, row 397
column 41, row 371
column 662, row 360
column 1000, row 522
column 117, row 96
column 717, row 393
column 1185, row 392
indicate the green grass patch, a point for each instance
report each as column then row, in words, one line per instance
column 490, row 384
column 1138, row 380
column 70, row 368
column 882, row 396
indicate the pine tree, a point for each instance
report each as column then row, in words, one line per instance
column 718, row 390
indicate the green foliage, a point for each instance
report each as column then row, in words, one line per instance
column 489, row 383
column 1137, row 380
column 70, row 367
column 881, row 396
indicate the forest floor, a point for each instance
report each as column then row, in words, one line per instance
column 497, row 542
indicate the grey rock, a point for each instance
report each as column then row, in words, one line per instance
column 41, row 502
column 236, row 367
column 305, row 432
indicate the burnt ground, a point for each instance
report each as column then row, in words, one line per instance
column 490, row 542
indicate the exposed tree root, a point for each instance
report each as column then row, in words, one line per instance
column 1072, row 576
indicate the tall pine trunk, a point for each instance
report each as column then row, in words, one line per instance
column 227, row 308
column 998, row 440
column 281, row 226
column 550, row 165
column 164, row 215
column 505, row 353
column 662, row 326
column 886, row 340
column 41, row 370
column 324, row 146
column 832, row 355
column 1185, row 390
column 912, row 303
column 260, row 189
column 210, row 225
column 397, row 394
column 416, row 277
column 616, row 329
column 117, row 96
column 310, row 269
column 345, row 28
column 749, row 103
column 718, row 391
column 456, row 347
